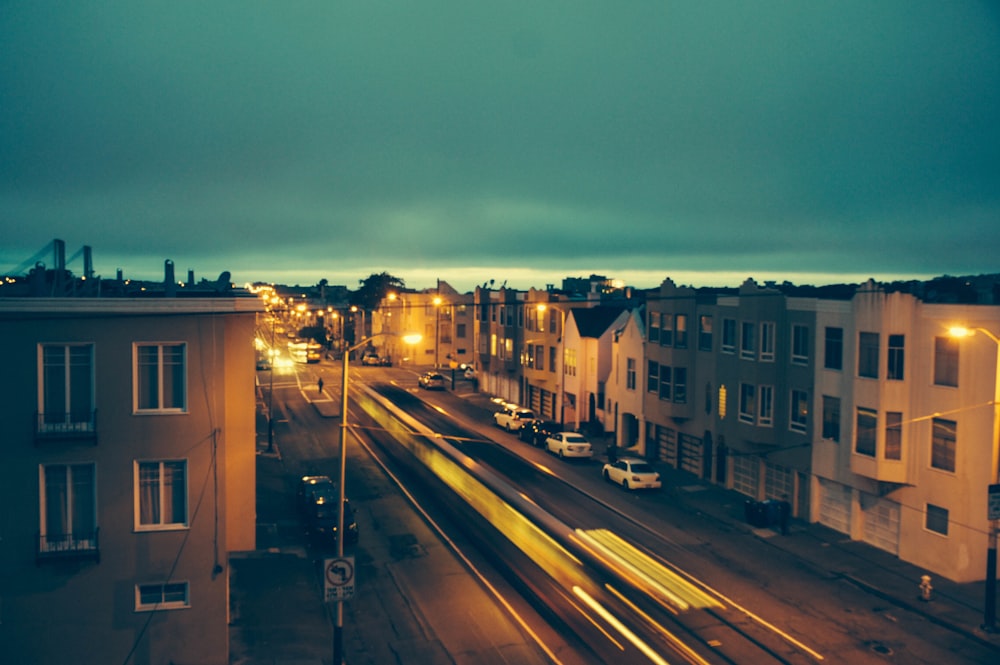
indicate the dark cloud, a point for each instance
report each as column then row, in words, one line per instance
column 443, row 138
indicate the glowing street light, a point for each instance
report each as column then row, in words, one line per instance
column 990, row 602
column 338, row 628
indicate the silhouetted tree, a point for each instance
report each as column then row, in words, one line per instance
column 374, row 288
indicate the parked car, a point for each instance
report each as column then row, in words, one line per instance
column 536, row 431
column 511, row 417
column 632, row 474
column 370, row 359
column 431, row 381
column 318, row 501
column 569, row 444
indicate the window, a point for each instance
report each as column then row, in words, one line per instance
column 868, row 355
column 569, row 362
column 67, row 502
column 728, row 335
column 161, row 495
column 680, row 385
column 831, row 418
column 540, row 356
column 893, row 435
column 943, row 441
column 704, row 333
column 552, row 359
column 654, row 327
column 67, row 388
column 946, row 361
column 896, row 357
column 748, row 349
column 681, row 331
column 748, row 404
column 866, row 431
column 460, row 330
column 160, row 377
column 652, row 376
column 798, row 417
column 167, row 596
column 833, row 348
column 800, row 344
column 667, row 329
column 937, row 519
column 767, row 341
column 765, row 406
column 630, row 374
column 666, row 376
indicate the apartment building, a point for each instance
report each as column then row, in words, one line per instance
column 128, row 473
column 442, row 316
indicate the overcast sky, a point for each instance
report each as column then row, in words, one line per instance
column 816, row 141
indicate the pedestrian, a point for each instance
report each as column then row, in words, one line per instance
column 320, row 385
column 612, row 452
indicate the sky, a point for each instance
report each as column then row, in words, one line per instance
column 511, row 143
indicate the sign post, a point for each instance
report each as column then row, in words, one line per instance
column 338, row 579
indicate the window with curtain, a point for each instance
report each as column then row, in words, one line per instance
column 866, row 431
column 161, row 377
column 161, row 499
column 67, row 387
column 68, row 507
column 944, row 439
column 946, row 361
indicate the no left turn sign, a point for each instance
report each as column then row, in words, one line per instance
column 338, row 578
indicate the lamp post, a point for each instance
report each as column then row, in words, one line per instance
column 990, row 600
column 270, row 389
column 437, row 329
column 338, row 628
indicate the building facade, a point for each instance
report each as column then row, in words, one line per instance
column 128, row 469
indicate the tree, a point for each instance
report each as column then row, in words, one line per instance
column 374, row 288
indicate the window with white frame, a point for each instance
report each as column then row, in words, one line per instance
column 160, row 377
column 728, row 344
column 765, row 406
column 630, row 374
column 748, row 402
column 569, row 362
column 67, row 507
column 767, row 341
column 161, row 495
column 897, row 357
column 652, row 376
column 800, row 344
column 748, row 346
column 162, row 596
column 798, row 416
column 66, row 388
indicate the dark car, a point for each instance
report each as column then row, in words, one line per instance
column 431, row 381
column 318, row 500
column 536, row 431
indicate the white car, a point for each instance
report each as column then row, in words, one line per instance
column 632, row 474
column 569, row 444
column 511, row 417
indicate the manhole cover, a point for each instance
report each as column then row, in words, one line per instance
column 880, row 649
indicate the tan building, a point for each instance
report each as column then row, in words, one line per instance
column 128, row 476
column 443, row 318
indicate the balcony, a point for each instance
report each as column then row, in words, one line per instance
column 53, row 547
column 51, row 427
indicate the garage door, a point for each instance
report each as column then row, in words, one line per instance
column 835, row 505
column 881, row 523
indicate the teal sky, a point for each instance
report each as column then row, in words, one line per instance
column 707, row 141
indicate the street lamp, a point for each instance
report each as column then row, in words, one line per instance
column 338, row 628
column 990, row 602
column 437, row 328
column 270, row 391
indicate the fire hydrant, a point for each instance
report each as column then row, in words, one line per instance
column 925, row 588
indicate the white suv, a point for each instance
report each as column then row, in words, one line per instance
column 511, row 417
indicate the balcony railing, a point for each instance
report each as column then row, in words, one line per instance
column 68, row 546
column 66, row 426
